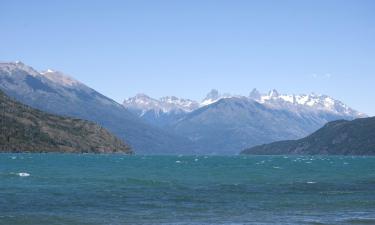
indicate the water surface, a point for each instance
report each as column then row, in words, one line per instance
column 118, row 189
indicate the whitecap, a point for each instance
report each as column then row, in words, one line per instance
column 196, row 160
column 178, row 161
column 23, row 174
column 311, row 182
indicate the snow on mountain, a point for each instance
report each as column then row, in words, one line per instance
column 168, row 104
column 292, row 102
column 60, row 78
column 51, row 75
column 186, row 105
column 142, row 103
column 214, row 96
column 311, row 102
column 231, row 123
column 272, row 99
column 10, row 67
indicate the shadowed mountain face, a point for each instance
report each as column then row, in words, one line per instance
column 339, row 137
column 56, row 93
column 26, row 129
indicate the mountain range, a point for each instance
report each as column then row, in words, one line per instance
column 24, row 129
column 54, row 92
column 225, row 123
column 341, row 137
column 219, row 124
column 142, row 104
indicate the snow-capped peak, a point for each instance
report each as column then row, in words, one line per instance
column 309, row 101
column 59, row 78
column 181, row 103
column 273, row 99
column 164, row 104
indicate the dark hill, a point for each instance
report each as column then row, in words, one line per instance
column 24, row 129
column 341, row 137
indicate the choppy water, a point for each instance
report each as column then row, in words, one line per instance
column 116, row 189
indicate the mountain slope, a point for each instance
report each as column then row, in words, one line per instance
column 24, row 129
column 142, row 103
column 312, row 102
column 340, row 137
column 232, row 123
column 160, row 112
column 224, row 123
column 57, row 93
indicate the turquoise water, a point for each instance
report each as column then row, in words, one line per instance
column 117, row 189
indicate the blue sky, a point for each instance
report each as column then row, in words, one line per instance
column 185, row 48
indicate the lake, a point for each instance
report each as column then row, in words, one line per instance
column 187, row 190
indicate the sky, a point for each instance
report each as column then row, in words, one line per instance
column 186, row 48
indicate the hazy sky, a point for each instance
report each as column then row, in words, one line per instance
column 185, row 48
